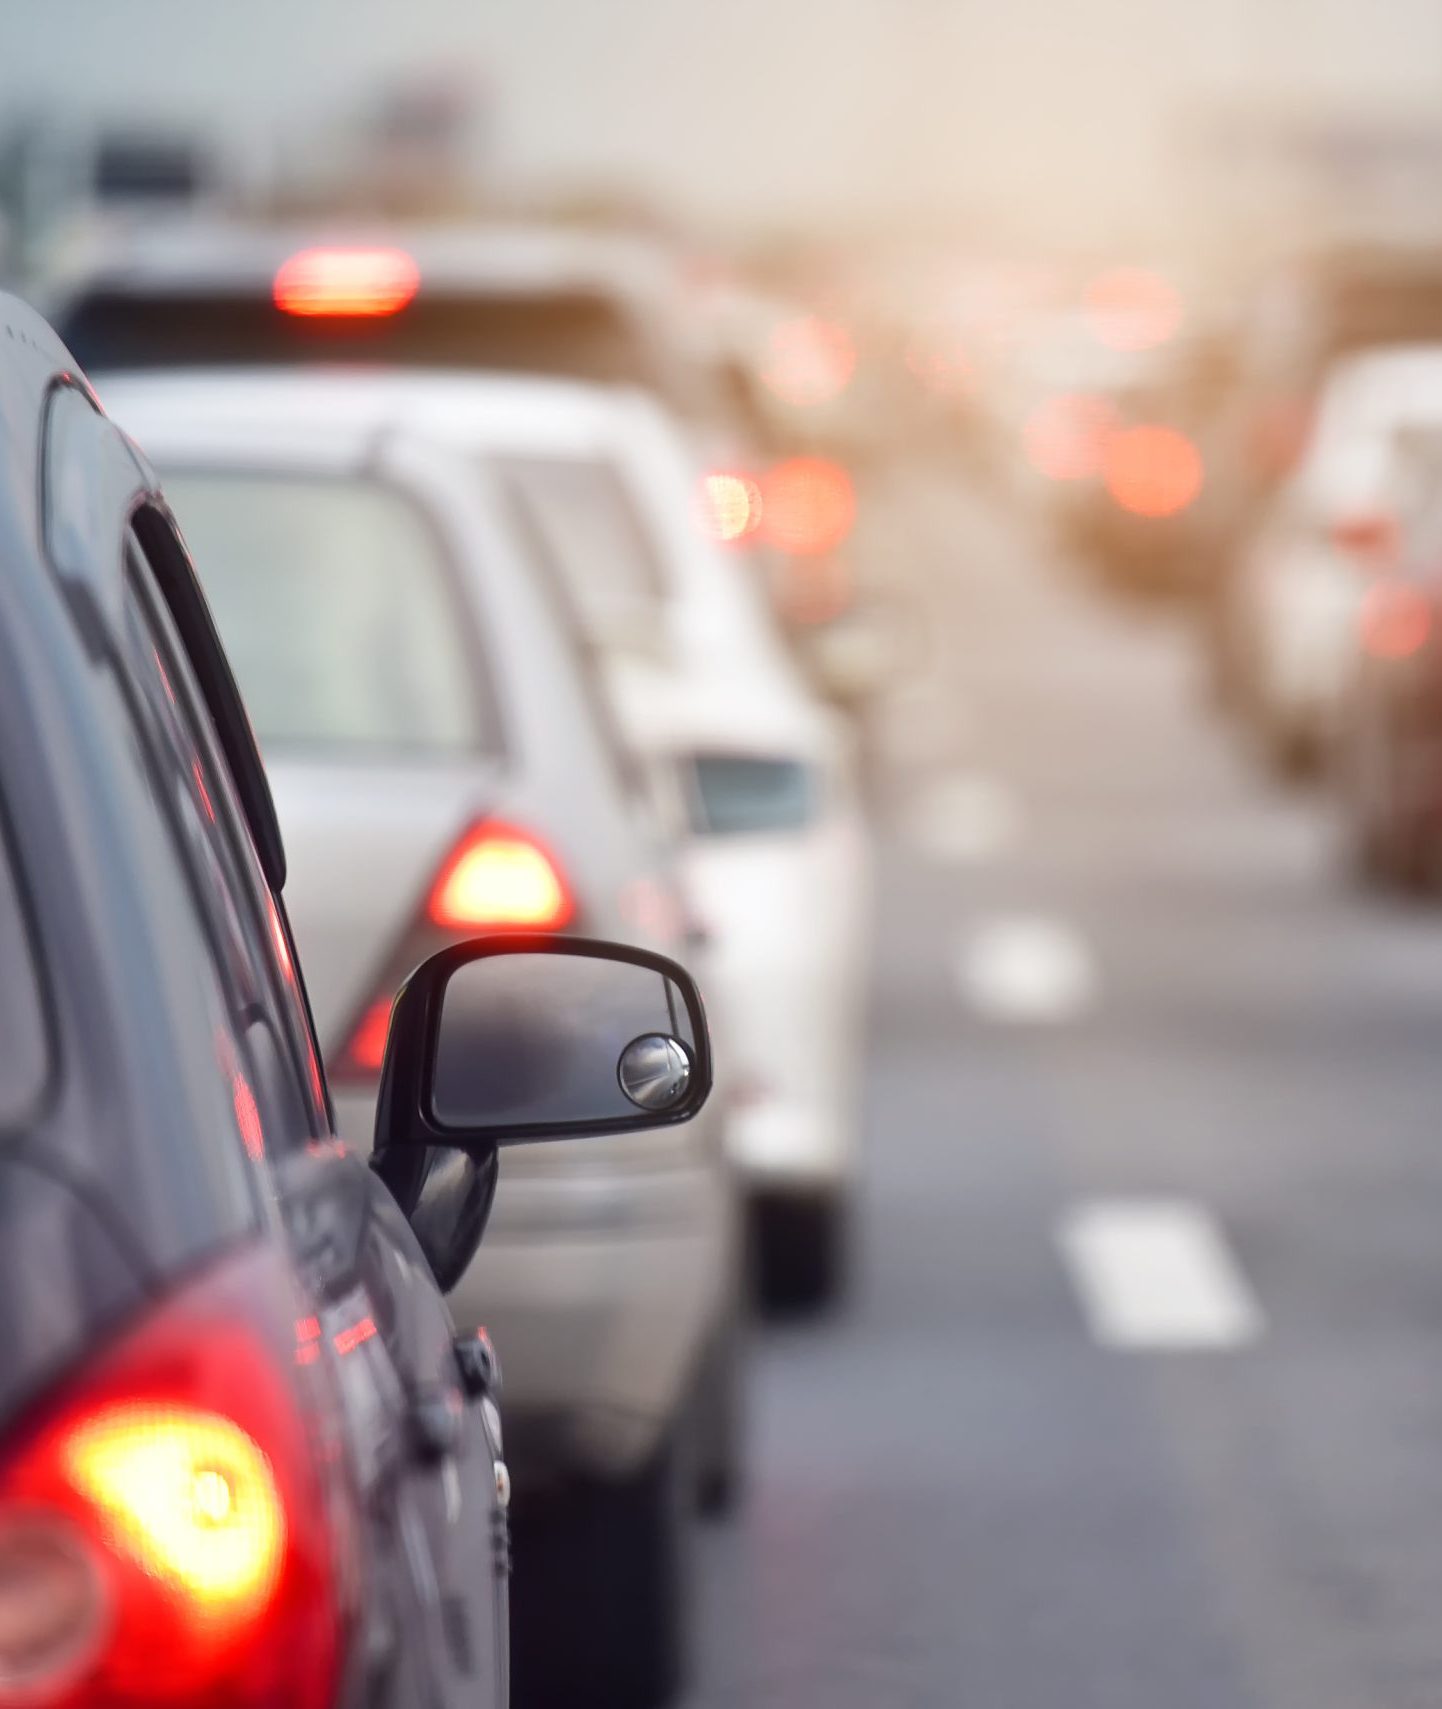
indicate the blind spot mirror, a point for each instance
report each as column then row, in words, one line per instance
column 655, row 1071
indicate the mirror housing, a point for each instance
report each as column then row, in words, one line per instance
column 531, row 1036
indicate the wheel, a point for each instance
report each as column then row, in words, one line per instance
column 720, row 1423
column 800, row 1244
column 600, row 1592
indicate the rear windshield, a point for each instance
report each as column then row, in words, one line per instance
column 24, row 1054
column 335, row 604
column 740, row 794
column 583, row 336
column 584, row 520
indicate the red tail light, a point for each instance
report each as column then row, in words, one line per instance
column 164, row 1531
column 498, row 877
column 346, row 283
column 1371, row 536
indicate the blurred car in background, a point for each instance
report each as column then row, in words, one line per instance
column 1329, row 531
column 1389, row 768
column 444, row 766
column 246, row 1459
column 777, row 862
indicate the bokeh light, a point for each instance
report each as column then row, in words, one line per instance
column 1152, row 470
column 1396, row 620
column 808, row 505
column 729, row 505
column 1130, row 308
column 810, row 361
column 1065, row 436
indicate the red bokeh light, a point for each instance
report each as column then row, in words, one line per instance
column 810, row 361
column 1396, row 621
column 1152, row 471
column 808, row 505
column 1130, row 308
column 1065, row 437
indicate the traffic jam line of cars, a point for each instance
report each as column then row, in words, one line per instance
column 531, row 742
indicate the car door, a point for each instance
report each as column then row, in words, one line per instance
column 424, row 1451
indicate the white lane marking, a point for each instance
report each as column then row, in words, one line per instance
column 1157, row 1274
column 963, row 820
column 1026, row 968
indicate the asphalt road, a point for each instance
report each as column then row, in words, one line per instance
column 1122, row 984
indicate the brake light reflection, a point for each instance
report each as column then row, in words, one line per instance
column 1065, row 436
column 1396, row 621
column 346, row 283
column 811, row 361
column 808, row 505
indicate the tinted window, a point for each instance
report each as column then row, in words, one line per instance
column 336, row 607
column 580, row 335
column 24, row 1051
column 740, row 794
column 581, row 515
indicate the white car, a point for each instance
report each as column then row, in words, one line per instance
column 1328, row 533
column 443, row 765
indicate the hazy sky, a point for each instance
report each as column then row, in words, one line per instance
column 1060, row 109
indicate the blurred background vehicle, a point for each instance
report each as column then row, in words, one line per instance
column 1332, row 528
column 443, row 767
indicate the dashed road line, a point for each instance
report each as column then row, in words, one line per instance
column 1026, row 969
column 1157, row 1275
column 963, row 819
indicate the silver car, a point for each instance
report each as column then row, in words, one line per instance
column 444, row 766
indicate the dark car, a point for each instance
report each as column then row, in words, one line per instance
column 245, row 1460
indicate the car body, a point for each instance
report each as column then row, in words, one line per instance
column 610, row 1272
column 760, row 773
column 1325, row 536
column 243, row 1455
column 1389, row 770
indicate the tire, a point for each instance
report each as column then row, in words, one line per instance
column 720, row 1422
column 601, row 1589
column 801, row 1249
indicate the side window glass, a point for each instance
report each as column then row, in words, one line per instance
column 243, row 921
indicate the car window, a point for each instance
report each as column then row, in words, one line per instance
column 584, row 518
column 743, row 794
column 24, row 1040
column 335, row 603
column 242, row 919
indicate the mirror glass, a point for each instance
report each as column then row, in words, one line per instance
column 556, row 1040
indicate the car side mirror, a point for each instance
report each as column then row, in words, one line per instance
column 523, row 1037
column 533, row 1036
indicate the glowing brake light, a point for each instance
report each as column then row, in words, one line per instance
column 190, row 1497
column 498, row 877
column 346, row 283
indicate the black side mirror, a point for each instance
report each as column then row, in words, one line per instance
column 527, row 1037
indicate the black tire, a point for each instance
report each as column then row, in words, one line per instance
column 601, row 1589
column 801, row 1246
column 720, row 1422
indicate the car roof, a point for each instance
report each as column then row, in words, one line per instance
column 211, row 411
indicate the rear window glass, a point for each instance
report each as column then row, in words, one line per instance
column 740, row 794
column 584, row 520
column 336, row 606
column 581, row 335
column 24, row 1049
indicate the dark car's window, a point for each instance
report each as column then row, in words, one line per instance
column 241, row 919
column 335, row 604
column 24, row 1043
column 580, row 511
column 742, row 794
column 582, row 335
